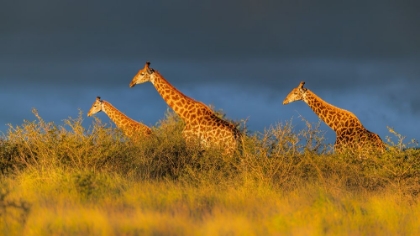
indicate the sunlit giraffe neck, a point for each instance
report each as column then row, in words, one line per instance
column 200, row 121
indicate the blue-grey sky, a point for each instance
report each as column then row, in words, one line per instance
column 242, row 56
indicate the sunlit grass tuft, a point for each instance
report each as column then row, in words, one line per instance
column 69, row 180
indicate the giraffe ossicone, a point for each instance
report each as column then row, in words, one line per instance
column 130, row 127
column 200, row 121
column 350, row 133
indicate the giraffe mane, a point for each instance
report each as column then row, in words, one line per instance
column 334, row 107
column 122, row 113
column 174, row 88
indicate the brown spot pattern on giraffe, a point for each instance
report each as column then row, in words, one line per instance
column 130, row 127
column 200, row 121
column 349, row 130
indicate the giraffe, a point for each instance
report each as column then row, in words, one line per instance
column 350, row 133
column 200, row 121
column 130, row 127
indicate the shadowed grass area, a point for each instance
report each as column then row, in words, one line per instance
column 68, row 180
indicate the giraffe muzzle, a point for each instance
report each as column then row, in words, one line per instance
column 132, row 84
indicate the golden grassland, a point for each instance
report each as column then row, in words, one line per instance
column 68, row 180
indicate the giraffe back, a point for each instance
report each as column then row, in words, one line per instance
column 350, row 133
column 201, row 123
column 130, row 127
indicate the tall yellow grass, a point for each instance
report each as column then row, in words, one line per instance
column 68, row 180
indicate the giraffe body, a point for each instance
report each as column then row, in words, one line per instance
column 130, row 127
column 201, row 123
column 350, row 133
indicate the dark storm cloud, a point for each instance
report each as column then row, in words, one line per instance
column 207, row 29
column 272, row 41
column 360, row 56
column 403, row 96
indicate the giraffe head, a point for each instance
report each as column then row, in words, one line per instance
column 296, row 94
column 96, row 107
column 143, row 75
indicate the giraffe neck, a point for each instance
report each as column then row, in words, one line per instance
column 115, row 115
column 336, row 118
column 180, row 103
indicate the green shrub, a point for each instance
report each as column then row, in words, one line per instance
column 77, row 178
column 279, row 157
